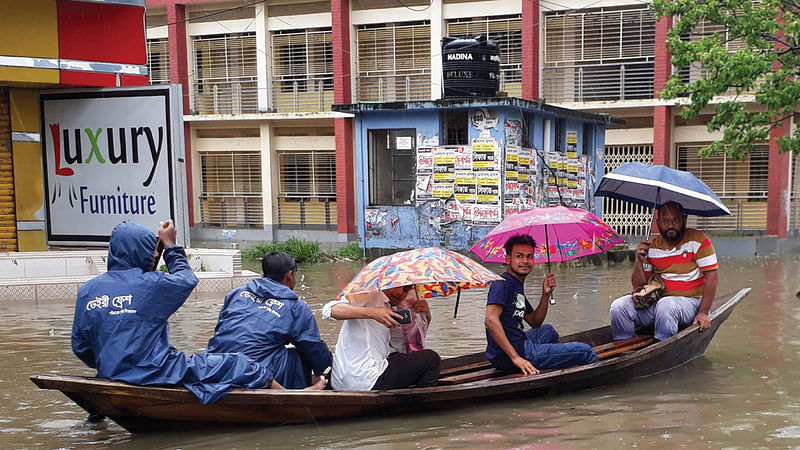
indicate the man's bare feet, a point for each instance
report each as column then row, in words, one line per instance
column 317, row 384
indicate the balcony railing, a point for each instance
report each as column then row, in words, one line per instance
column 226, row 97
column 302, row 94
column 232, row 211
column 295, row 212
column 598, row 82
column 511, row 82
column 394, row 88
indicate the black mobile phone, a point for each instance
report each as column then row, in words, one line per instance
column 406, row 316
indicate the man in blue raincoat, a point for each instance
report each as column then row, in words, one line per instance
column 261, row 317
column 121, row 328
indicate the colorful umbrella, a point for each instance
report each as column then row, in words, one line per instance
column 560, row 233
column 436, row 272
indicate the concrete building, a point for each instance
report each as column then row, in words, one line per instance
column 46, row 44
column 270, row 159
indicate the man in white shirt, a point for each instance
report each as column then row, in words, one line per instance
column 362, row 361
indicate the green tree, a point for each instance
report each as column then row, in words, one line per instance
column 765, row 65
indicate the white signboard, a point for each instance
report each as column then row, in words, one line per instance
column 112, row 155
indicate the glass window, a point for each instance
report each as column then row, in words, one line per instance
column 392, row 166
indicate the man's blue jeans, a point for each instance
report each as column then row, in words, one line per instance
column 544, row 352
column 667, row 316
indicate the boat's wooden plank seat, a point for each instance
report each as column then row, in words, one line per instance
column 484, row 374
column 623, row 345
column 465, row 368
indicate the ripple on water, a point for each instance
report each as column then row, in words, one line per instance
column 792, row 432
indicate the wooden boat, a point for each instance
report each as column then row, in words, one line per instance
column 465, row 380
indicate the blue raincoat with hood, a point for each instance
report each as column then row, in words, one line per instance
column 259, row 319
column 120, row 326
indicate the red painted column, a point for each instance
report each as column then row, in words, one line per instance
column 662, row 115
column 778, row 189
column 179, row 73
column 531, row 16
column 342, row 94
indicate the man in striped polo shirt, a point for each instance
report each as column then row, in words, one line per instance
column 687, row 263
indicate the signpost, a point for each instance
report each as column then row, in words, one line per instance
column 111, row 155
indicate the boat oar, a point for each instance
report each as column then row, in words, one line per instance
column 458, row 297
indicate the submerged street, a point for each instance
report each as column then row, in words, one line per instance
column 742, row 393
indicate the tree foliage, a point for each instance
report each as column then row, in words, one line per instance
column 764, row 65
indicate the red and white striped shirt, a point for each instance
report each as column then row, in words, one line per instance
column 681, row 266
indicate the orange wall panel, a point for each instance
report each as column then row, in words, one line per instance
column 29, row 28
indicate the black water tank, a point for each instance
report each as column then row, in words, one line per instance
column 471, row 67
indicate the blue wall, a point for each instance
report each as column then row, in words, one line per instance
column 419, row 226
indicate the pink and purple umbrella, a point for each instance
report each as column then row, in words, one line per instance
column 560, row 233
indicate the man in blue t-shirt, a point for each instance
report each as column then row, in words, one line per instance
column 509, row 347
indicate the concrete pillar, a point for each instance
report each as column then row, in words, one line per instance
column 342, row 93
column 437, row 32
column 270, row 176
column 531, row 18
column 179, row 73
column 662, row 115
column 263, row 64
column 778, row 188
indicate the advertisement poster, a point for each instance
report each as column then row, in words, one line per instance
column 424, row 162
column 523, row 168
column 488, row 187
column 483, row 154
column 111, row 155
column 512, row 161
column 465, row 186
column 486, row 213
column 462, row 157
column 512, row 188
column 443, row 165
column 452, row 211
column 510, row 208
column 513, row 130
column 442, row 190
column 572, row 144
column 424, row 186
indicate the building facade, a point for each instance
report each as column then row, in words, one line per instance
column 54, row 44
column 271, row 159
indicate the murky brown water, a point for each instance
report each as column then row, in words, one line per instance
column 744, row 393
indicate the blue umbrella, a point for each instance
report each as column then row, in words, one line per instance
column 652, row 186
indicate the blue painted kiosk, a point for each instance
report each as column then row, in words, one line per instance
column 443, row 173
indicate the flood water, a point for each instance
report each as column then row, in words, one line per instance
column 744, row 393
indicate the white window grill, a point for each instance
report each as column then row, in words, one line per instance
column 307, row 196
column 302, row 71
column 740, row 184
column 158, row 61
column 706, row 29
column 394, row 62
column 225, row 74
column 231, row 195
column 629, row 219
column 600, row 55
column 507, row 32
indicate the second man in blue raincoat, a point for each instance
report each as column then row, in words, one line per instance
column 260, row 318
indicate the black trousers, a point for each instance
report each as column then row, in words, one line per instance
column 419, row 368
